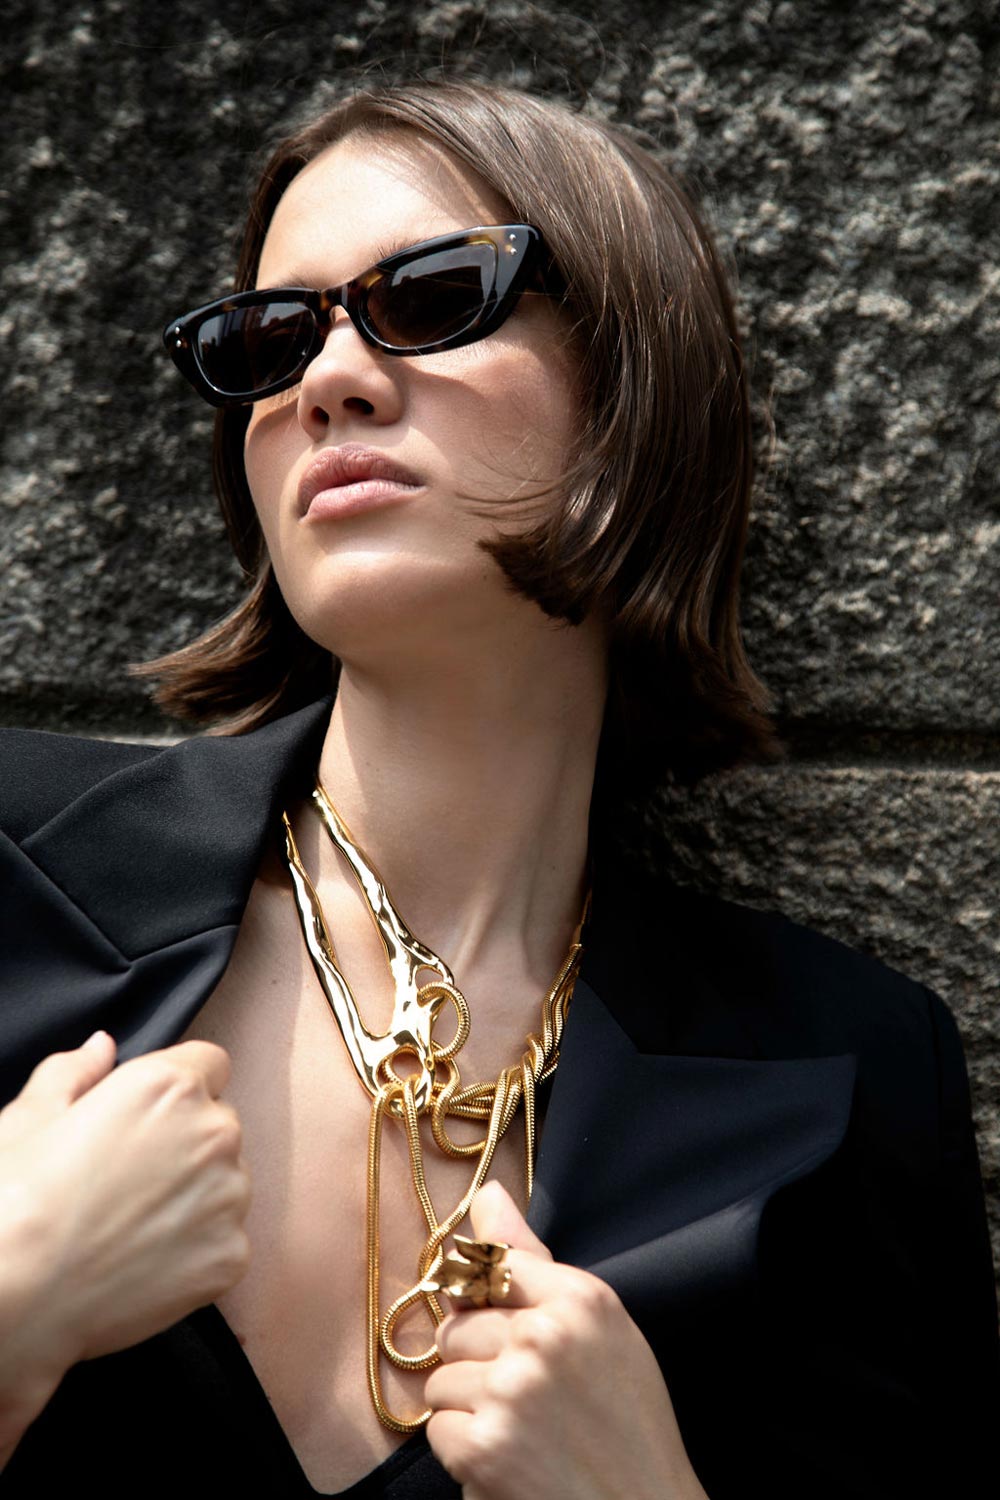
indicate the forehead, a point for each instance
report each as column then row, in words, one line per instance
column 364, row 197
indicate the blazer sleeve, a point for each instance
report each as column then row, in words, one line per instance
column 876, row 1373
column 962, row 1315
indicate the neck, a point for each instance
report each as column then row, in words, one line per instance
column 469, row 788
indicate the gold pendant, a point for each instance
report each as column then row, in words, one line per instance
column 415, row 1008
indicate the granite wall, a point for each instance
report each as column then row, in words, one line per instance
column 849, row 153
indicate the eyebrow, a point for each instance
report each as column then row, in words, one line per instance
column 385, row 248
column 382, row 252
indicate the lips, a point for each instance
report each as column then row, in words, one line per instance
column 343, row 468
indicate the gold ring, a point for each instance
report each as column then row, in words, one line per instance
column 478, row 1274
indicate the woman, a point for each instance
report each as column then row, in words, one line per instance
column 483, row 442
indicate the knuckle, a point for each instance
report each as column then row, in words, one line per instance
column 233, row 1260
column 138, row 1082
column 539, row 1331
column 47, row 1072
column 14, row 1114
column 226, row 1130
column 451, row 1335
column 243, row 1194
column 594, row 1296
column 163, row 1078
column 240, row 1253
column 50, row 1064
column 234, row 1201
column 215, row 1060
column 484, row 1459
column 443, row 1338
column 450, row 1453
column 516, row 1378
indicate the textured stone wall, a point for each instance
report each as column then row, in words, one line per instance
column 850, row 155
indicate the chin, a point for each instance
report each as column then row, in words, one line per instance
column 371, row 608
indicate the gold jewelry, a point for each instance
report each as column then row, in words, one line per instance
column 434, row 1089
column 479, row 1273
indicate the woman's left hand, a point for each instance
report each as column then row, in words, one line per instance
column 555, row 1395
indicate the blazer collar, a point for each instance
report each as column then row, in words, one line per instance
column 170, row 845
column 650, row 1141
column 656, row 1171
column 671, row 1124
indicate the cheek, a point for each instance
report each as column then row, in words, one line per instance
column 544, row 397
column 268, row 456
column 518, row 416
column 543, row 419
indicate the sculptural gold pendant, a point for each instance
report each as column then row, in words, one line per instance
column 416, row 1007
column 429, row 1086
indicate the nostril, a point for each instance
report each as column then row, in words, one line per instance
column 359, row 404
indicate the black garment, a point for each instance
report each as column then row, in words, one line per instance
column 183, row 1415
column 758, row 1137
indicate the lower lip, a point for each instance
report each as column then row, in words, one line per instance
column 355, row 499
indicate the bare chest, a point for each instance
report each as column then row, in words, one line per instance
column 300, row 1312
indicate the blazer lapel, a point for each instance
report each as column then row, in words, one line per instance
column 122, row 909
column 654, row 1170
column 205, row 806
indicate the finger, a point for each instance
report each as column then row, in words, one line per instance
column 457, row 1387
column 63, row 1077
column 474, row 1335
column 448, row 1433
column 534, row 1281
column 496, row 1217
column 209, row 1061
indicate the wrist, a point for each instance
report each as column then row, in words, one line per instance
column 35, row 1336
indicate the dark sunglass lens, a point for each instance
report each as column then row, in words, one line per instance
column 432, row 298
column 250, row 348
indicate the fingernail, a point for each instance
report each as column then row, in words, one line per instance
column 94, row 1041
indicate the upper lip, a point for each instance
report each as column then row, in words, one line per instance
column 349, row 464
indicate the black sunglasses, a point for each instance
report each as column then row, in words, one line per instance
column 439, row 294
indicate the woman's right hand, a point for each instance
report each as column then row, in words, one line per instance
column 122, row 1201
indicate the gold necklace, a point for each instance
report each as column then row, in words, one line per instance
column 434, row 1089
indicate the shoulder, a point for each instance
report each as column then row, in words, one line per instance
column 92, row 788
column 42, row 773
column 691, row 973
column 798, row 983
column 892, row 1217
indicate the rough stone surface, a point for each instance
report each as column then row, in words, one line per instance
column 850, row 156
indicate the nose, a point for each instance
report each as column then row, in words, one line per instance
column 348, row 380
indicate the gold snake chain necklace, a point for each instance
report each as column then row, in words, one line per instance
column 432, row 1088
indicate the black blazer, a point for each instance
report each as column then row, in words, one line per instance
column 760, row 1138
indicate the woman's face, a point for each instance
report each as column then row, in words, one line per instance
column 397, row 565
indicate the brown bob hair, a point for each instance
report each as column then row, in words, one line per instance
column 648, row 523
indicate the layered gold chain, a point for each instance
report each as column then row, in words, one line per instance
column 431, row 1086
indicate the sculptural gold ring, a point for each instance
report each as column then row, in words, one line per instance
column 479, row 1273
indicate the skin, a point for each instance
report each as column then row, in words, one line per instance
column 461, row 753
column 555, row 1393
column 122, row 1200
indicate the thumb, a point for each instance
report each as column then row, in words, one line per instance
column 62, row 1077
column 496, row 1217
